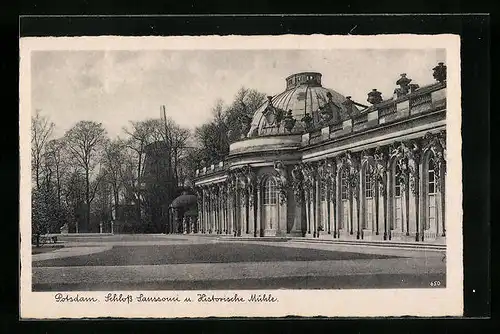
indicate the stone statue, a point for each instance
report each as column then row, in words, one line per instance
column 374, row 96
column 289, row 121
column 404, row 85
column 439, row 72
column 280, row 168
column 308, row 121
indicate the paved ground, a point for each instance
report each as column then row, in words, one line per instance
column 160, row 262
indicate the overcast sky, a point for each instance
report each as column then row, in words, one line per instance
column 113, row 87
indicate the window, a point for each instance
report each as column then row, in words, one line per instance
column 369, row 186
column 431, row 177
column 270, row 192
column 431, row 194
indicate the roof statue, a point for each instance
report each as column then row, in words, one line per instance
column 304, row 104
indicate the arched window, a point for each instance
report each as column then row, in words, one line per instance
column 269, row 201
column 431, row 194
column 344, row 196
column 269, row 192
column 369, row 203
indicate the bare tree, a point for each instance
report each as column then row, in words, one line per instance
column 85, row 143
column 74, row 195
column 55, row 164
column 139, row 137
column 41, row 130
column 115, row 161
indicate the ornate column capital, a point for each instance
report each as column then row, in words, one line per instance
column 351, row 161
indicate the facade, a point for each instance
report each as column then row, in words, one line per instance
column 313, row 163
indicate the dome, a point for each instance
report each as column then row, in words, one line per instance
column 184, row 201
column 304, row 94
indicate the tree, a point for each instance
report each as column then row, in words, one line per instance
column 115, row 162
column 225, row 127
column 85, row 142
column 74, row 197
column 41, row 130
column 55, row 165
column 139, row 137
column 47, row 216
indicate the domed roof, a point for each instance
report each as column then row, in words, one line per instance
column 304, row 94
column 184, row 201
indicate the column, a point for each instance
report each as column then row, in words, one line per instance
column 219, row 210
column 205, row 210
column 258, row 205
column 357, row 197
column 407, row 206
column 351, row 210
column 377, row 201
column 246, row 209
column 235, row 209
column 387, row 232
column 338, row 203
column 230, row 202
column 317, row 205
column 328, row 204
column 251, row 211
column 223, row 210
column 307, row 196
column 282, row 214
column 211, row 210
column 443, row 201
column 418, row 203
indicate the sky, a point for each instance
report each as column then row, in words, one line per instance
column 116, row 87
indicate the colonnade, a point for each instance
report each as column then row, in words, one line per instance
column 391, row 192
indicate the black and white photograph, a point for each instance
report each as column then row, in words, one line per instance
column 255, row 175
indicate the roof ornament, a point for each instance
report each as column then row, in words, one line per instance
column 308, row 120
column 351, row 109
column 270, row 112
column 289, row 121
column 440, row 72
column 404, row 85
column 329, row 96
column 374, row 96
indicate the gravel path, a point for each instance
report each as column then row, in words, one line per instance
column 219, row 271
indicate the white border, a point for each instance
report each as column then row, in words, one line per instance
column 384, row 302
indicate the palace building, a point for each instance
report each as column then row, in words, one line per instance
column 313, row 163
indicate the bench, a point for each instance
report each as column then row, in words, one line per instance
column 46, row 239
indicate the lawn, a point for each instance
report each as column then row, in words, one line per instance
column 202, row 253
column 45, row 249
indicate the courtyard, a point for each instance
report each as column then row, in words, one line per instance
column 187, row 262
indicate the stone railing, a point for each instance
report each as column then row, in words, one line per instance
column 424, row 100
column 213, row 168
